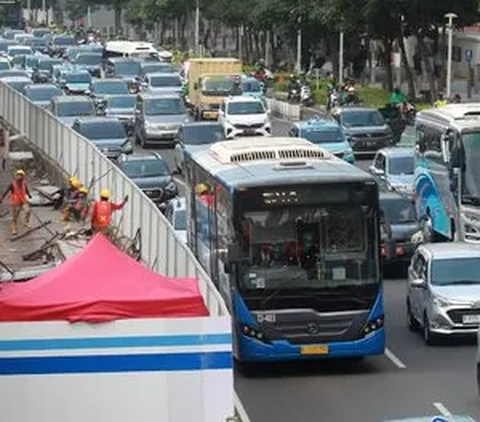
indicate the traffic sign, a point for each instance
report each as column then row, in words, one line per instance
column 440, row 418
column 468, row 55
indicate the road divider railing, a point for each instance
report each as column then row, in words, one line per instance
column 160, row 248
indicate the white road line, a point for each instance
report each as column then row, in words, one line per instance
column 242, row 413
column 442, row 409
column 396, row 361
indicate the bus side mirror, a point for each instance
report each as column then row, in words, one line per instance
column 455, row 161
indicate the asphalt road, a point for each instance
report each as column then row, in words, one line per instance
column 411, row 379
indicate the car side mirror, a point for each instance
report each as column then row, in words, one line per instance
column 418, row 283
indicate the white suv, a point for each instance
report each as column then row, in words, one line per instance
column 244, row 116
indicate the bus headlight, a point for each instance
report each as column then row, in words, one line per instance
column 253, row 333
column 373, row 325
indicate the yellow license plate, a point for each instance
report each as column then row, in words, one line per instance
column 314, row 350
column 210, row 114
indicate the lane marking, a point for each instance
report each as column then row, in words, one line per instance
column 395, row 360
column 442, row 409
column 242, row 413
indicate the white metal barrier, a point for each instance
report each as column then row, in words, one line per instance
column 161, row 249
column 284, row 109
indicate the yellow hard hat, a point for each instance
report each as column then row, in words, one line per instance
column 74, row 182
column 201, row 188
column 84, row 190
column 105, row 194
column 20, row 173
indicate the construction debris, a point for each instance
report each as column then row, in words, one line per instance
column 30, row 231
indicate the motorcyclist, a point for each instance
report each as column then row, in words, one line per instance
column 398, row 100
column 294, row 85
column 260, row 73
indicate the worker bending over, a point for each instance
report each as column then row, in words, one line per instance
column 19, row 195
column 65, row 195
column 81, row 207
column 103, row 210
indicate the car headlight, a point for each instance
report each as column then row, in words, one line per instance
column 171, row 186
column 127, row 147
column 149, row 125
column 440, row 302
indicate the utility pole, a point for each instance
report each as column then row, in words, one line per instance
column 298, row 66
column 450, row 17
column 340, row 57
column 197, row 28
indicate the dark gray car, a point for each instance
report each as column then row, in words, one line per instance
column 398, row 226
column 365, row 128
column 69, row 108
column 158, row 119
column 151, row 174
column 42, row 94
column 108, row 134
column 122, row 107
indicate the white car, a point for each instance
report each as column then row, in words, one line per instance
column 176, row 213
column 244, row 116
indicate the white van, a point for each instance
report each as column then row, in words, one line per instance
column 136, row 50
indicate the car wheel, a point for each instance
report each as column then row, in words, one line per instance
column 412, row 323
column 428, row 336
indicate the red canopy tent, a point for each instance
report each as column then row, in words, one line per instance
column 100, row 284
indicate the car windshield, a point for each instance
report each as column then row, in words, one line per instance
column 251, row 86
column 248, row 107
column 145, row 168
column 43, row 93
column 19, row 51
column 401, row 165
column 17, row 85
column 75, row 108
column 64, row 41
column 202, row 135
column 322, row 136
column 157, row 67
column 471, row 169
column 121, row 102
column 110, row 88
column 165, row 81
column 79, row 78
column 294, row 247
column 13, row 74
column 180, row 222
column 89, row 59
column 364, row 118
column 217, row 84
column 398, row 211
column 48, row 64
column 103, row 130
column 36, row 42
column 127, row 68
column 4, row 65
column 455, row 271
column 164, row 106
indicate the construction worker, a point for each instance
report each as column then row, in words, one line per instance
column 67, row 194
column 19, row 195
column 81, row 206
column 103, row 210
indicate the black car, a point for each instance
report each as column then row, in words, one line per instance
column 43, row 71
column 399, row 224
column 150, row 172
column 60, row 44
column 101, row 88
column 365, row 128
column 108, row 134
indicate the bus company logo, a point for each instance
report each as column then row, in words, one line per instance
column 312, row 328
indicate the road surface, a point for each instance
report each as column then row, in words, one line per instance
column 411, row 379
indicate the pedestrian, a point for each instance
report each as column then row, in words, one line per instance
column 19, row 195
column 103, row 210
column 81, row 207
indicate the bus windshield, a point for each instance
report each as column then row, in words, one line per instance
column 127, row 68
column 471, row 174
column 216, row 85
column 311, row 247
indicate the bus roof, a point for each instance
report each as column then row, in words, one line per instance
column 129, row 47
column 462, row 116
column 269, row 161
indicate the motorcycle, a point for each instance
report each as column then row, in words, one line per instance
column 332, row 100
column 409, row 111
column 294, row 95
column 306, row 97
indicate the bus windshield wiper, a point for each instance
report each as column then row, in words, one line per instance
column 472, row 200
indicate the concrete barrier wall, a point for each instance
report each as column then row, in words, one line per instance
column 161, row 249
column 148, row 370
column 284, row 109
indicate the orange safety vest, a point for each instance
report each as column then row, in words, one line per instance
column 19, row 193
column 102, row 215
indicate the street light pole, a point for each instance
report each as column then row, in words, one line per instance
column 340, row 58
column 450, row 17
column 197, row 28
column 298, row 66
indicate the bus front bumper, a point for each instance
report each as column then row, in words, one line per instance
column 252, row 350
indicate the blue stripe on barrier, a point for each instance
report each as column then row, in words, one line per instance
column 110, row 342
column 51, row 365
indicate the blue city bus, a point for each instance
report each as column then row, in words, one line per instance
column 290, row 236
column 447, row 174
